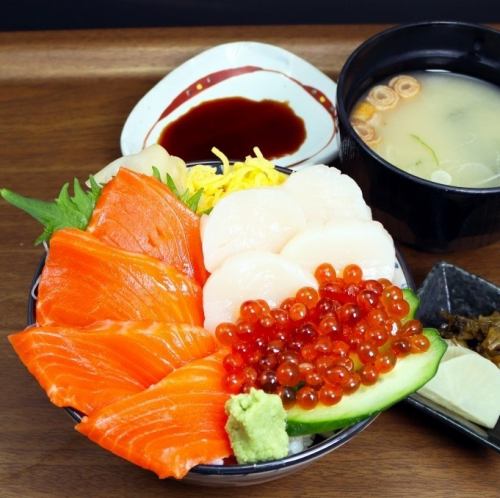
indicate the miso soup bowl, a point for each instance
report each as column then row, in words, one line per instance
column 418, row 212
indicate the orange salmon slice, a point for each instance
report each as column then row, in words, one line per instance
column 86, row 281
column 140, row 214
column 91, row 367
column 171, row 426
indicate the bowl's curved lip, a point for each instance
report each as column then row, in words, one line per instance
column 334, row 441
column 344, row 118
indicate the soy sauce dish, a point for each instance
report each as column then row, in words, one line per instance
column 288, row 107
column 425, row 214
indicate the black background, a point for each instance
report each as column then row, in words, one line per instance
column 61, row 14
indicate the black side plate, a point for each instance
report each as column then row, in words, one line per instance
column 450, row 288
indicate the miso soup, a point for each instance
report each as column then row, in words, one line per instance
column 437, row 125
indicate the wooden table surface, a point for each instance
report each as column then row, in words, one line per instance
column 64, row 97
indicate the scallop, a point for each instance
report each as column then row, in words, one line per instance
column 365, row 243
column 254, row 219
column 203, row 223
column 325, row 194
column 251, row 275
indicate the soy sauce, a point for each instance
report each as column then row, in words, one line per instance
column 235, row 125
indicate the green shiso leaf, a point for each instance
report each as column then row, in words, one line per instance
column 66, row 211
column 156, row 173
column 194, row 200
column 169, row 182
column 191, row 201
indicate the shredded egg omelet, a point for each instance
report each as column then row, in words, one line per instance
column 253, row 172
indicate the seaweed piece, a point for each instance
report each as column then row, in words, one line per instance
column 427, row 147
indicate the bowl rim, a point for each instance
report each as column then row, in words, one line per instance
column 343, row 116
column 334, row 441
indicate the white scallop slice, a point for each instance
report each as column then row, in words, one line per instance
column 327, row 195
column 365, row 243
column 259, row 218
column 250, row 275
column 203, row 224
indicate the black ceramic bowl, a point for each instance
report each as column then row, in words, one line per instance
column 245, row 475
column 418, row 212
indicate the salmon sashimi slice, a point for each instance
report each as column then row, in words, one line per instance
column 140, row 214
column 85, row 281
column 171, row 426
column 89, row 368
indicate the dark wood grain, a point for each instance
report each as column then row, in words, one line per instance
column 63, row 99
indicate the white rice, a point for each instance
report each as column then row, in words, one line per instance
column 299, row 443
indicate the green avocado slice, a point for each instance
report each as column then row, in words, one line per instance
column 409, row 375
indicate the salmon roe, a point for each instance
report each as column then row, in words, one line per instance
column 320, row 345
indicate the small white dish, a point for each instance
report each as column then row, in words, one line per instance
column 246, row 69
